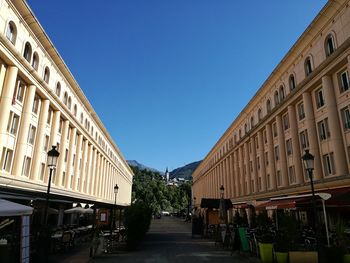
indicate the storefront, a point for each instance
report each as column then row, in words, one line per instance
column 14, row 232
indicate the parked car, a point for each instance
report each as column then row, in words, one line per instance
column 165, row 213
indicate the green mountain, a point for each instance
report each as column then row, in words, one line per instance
column 185, row 171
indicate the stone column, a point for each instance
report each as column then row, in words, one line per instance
column 335, row 127
column 241, row 171
column 40, row 140
column 263, row 166
column 230, row 176
column 2, row 77
column 247, row 175
column 76, row 161
column 6, row 102
column 84, row 159
column 89, row 175
column 271, row 153
column 63, row 146
column 22, row 139
column 91, row 181
column 235, row 157
column 282, row 146
column 73, row 133
column 97, row 175
column 312, row 135
column 254, row 174
column 295, row 144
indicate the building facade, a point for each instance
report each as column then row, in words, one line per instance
column 304, row 104
column 42, row 105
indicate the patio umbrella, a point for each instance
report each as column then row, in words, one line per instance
column 78, row 210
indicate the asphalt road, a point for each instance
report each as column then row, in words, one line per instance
column 169, row 240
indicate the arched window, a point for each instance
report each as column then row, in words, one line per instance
column 27, row 54
column 252, row 122
column 245, row 128
column 281, row 93
column 276, row 96
column 11, row 32
column 259, row 114
column 47, row 75
column 329, row 45
column 81, row 118
column 69, row 104
column 268, row 106
column 291, row 82
column 35, row 62
column 75, row 110
column 308, row 66
column 65, row 98
column 85, row 124
column 58, row 89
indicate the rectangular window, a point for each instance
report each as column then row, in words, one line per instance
column 71, row 181
column 319, row 98
column 36, row 102
column 285, row 120
column 13, row 123
column 304, row 140
column 6, row 160
column 31, row 134
column 344, row 81
column 291, row 173
column 265, row 137
column 260, row 184
column 274, row 129
column 20, row 91
column 73, row 160
column 66, row 156
column 279, row 178
column 42, row 171
column 60, row 126
column 277, row 153
column 323, row 130
column 258, row 162
column 328, row 164
column 251, row 166
column 49, row 116
column 345, row 114
column 301, row 111
column 289, row 147
column 267, row 158
column 268, row 182
column 256, row 142
column 63, row 178
column 26, row 166
column 46, row 143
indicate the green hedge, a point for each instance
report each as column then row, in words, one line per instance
column 137, row 221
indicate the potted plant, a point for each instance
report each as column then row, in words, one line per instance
column 281, row 247
column 266, row 239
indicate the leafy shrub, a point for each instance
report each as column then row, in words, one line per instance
column 137, row 221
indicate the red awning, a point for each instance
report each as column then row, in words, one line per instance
column 241, row 205
column 283, row 203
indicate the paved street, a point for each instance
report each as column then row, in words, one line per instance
column 169, row 240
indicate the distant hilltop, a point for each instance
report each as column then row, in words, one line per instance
column 143, row 167
column 184, row 172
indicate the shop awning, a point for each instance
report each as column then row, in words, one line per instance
column 214, row 203
column 8, row 208
column 294, row 201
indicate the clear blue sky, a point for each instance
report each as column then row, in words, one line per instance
column 167, row 78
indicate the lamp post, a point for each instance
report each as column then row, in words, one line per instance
column 222, row 207
column 308, row 160
column 116, row 188
column 52, row 157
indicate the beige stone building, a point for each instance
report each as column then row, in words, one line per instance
column 41, row 105
column 304, row 104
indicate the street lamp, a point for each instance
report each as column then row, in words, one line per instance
column 308, row 160
column 116, row 188
column 222, row 204
column 52, row 157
